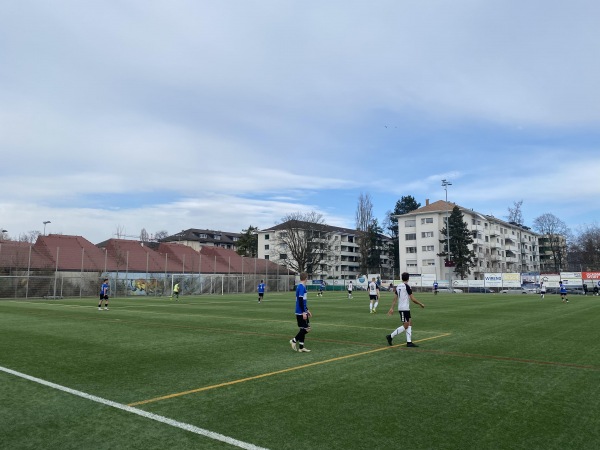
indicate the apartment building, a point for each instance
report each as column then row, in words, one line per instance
column 340, row 247
column 198, row 238
column 499, row 246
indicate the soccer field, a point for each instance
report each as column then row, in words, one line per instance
column 217, row 372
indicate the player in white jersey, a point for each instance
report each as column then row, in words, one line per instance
column 403, row 295
column 373, row 296
column 350, row 289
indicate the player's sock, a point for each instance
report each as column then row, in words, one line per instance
column 397, row 331
column 409, row 334
column 376, row 304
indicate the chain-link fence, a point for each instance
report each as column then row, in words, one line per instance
column 61, row 285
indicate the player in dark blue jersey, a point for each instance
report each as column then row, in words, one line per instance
column 563, row 292
column 321, row 288
column 302, row 315
column 261, row 291
column 104, row 295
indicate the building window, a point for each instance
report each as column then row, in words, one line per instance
column 266, row 237
column 411, row 249
column 283, row 256
column 266, row 256
column 428, row 248
column 266, row 246
column 426, row 234
column 429, row 262
column 411, row 263
column 410, row 223
column 426, row 220
column 410, row 237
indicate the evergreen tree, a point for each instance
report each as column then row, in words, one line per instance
column 247, row 244
column 406, row 204
column 375, row 247
column 460, row 257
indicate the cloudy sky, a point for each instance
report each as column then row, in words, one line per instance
column 168, row 115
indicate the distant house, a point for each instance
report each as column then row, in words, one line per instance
column 197, row 238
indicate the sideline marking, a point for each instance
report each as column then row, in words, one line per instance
column 277, row 372
column 139, row 412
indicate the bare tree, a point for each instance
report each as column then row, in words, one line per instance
column 302, row 242
column 584, row 253
column 515, row 214
column 556, row 233
column 144, row 237
column 364, row 220
column 120, row 231
column 30, row 237
column 160, row 235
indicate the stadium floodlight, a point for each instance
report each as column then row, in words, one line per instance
column 45, row 222
column 445, row 184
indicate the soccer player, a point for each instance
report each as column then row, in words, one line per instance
column 104, row 295
column 321, row 288
column 350, row 287
column 402, row 295
column 302, row 315
column 373, row 296
column 563, row 292
column 542, row 290
column 435, row 287
column 176, row 291
column 261, row 291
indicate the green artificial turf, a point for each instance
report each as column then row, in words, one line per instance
column 491, row 371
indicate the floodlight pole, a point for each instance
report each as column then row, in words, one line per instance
column 46, row 222
column 445, row 184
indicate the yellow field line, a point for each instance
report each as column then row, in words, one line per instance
column 264, row 375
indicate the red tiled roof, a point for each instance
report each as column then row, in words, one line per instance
column 19, row 255
column 75, row 253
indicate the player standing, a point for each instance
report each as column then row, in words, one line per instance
column 563, row 292
column 435, row 287
column 261, row 291
column 104, row 295
column 373, row 296
column 403, row 294
column 321, row 288
column 542, row 290
column 302, row 315
column 350, row 287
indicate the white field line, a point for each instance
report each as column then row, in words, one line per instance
column 139, row 412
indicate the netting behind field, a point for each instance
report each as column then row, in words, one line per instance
column 87, row 284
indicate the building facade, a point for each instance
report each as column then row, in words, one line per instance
column 197, row 238
column 340, row 248
column 499, row 246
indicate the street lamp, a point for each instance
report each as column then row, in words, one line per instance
column 46, row 222
column 445, row 184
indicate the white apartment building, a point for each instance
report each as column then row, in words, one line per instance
column 340, row 244
column 499, row 246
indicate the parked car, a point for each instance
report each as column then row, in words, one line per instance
column 480, row 290
column 514, row 291
column 532, row 290
column 447, row 290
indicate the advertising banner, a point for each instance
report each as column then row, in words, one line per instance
column 476, row 283
column 571, row 278
column 493, row 279
column 587, row 276
column 550, row 280
column 460, row 283
column 511, row 280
